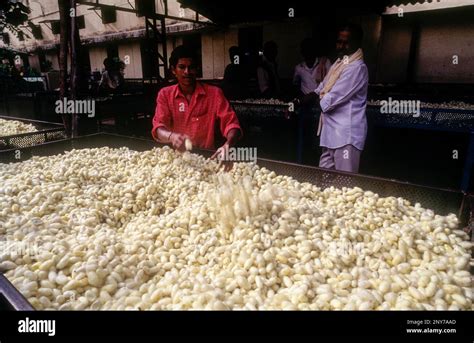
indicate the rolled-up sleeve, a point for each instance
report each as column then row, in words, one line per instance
column 320, row 87
column 162, row 116
column 227, row 117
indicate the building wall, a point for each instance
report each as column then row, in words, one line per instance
column 97, row 54
column 53, row 58
column 134, row 69
column 372, row 28
column 215, row 52
column 125, row 21
column 288, row 37
column 172, row 42
column 207, row 56
column 394, row 52
column 219, row 54
column 438, row 44
column 442, row 34
column 34, row 62
column 132, row 51
column 174, row 9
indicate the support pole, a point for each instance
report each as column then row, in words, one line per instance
column 64, row 7
column 74, row 68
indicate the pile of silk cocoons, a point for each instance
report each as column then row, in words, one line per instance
column 119, row 229
column 14, row 127
column 262, row 101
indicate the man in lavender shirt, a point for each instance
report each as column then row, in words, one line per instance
column 342, row 96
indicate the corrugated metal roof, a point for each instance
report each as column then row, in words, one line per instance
column 406, row 2
column 427, row 5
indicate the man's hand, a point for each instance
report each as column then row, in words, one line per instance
column 178, row 141
column 221, row 154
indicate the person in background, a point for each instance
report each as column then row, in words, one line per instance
column 5, row 67
column 311, row 72
column 191, row 109
column 235, row 83
column 267, row 72
column 113, row 76
column 343, row 99
column 307, row 77
column 121, row 69
column 104, row 80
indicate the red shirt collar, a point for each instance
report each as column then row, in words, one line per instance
column 199, row 90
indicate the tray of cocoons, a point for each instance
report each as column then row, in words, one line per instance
column 17, row 133
column 261, row 108
column 113, row 222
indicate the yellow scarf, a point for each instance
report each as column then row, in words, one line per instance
column 333, row 75
column 337, row 68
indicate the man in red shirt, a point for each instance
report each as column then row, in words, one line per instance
column 190, row 109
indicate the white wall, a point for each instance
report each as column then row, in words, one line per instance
column 215, row 52
column 48, row 10
column 132, row 50
column 97, row 54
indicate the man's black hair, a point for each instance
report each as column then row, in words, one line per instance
column 182, row 51
column 107, row 63
column 356, row 33
column 234, row 51
column 270, row 45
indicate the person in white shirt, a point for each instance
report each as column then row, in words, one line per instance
column 307, row 77
column 311, row 72
column 267, row 72
column 343, row 99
